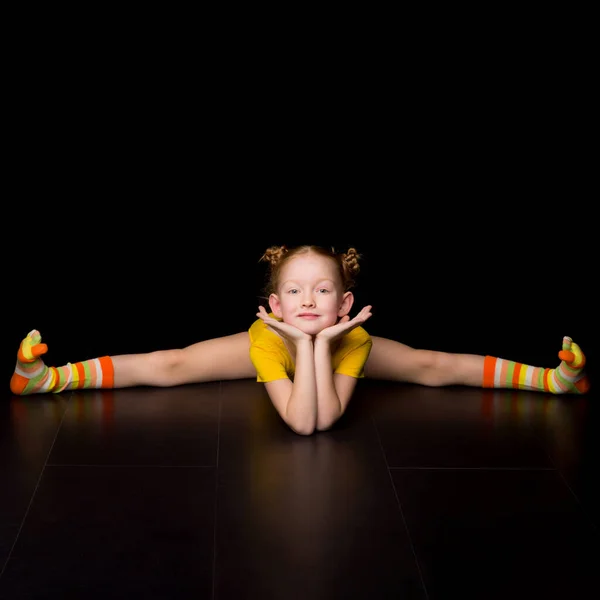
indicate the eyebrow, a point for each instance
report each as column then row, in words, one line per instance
column 289, row 281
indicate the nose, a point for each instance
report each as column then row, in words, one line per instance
column 308, row 300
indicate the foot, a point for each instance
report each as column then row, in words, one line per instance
column 570, row 376
column 31, row 374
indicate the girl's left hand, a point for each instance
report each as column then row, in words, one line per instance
column 345, row 324
column 288, row 332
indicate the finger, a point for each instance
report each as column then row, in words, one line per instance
column 365, row 313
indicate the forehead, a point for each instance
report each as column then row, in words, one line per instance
column 310, row 266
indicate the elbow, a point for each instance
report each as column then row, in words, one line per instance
column 301, row 426
column 305, row 432
column 322, row 427
column 312, row 427
column 299, row 421
column 302, row 429
column 326, row 424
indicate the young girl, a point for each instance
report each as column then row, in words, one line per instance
column 307, row 351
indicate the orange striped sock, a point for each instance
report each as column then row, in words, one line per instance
column 32, row 376
column 568, row 378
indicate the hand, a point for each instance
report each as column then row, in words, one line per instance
column 289, row 332
column 344, row 325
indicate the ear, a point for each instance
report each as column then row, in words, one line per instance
column 347, row 302
column 275, row 305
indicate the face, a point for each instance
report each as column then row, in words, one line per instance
column 310, row 294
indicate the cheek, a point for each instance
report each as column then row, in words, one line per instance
column 331, row 304
column 285, row 305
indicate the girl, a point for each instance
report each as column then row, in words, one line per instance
column 307, row 351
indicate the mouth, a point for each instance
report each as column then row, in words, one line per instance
column 308, row 316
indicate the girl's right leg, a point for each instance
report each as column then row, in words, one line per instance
column 226, row 357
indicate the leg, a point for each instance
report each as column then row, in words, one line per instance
column 394, row 361
column 227, row 357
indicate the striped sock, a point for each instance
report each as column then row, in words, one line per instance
column 32, row 376
column 568, row 378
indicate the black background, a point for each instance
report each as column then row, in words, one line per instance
column 444, row 277
column 139, row 199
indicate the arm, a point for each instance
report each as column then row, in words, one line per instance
column 333, row 390
column 297, row 402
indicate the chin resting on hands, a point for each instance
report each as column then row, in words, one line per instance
column 345, row 325
column 289, row 332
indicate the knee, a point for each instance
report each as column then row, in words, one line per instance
column 164, row 365
column 428, row 368
column 436, row 368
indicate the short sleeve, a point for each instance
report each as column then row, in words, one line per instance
column 267, row 361
column 353, row 362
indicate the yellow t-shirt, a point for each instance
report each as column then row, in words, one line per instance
column 272, row 359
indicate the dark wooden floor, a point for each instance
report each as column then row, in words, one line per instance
column 202, row 492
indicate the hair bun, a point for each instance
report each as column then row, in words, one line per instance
column 351, row 259
column 274, row 254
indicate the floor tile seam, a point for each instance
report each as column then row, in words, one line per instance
column 35, row 489
column 585, row 512
column 539, row 438
column 216, row 495
column 129, row 466
column 472, row 468
column 400, row 509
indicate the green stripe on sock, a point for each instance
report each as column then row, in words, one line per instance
column 541, row 379
column 88, row 375
column 510, row 372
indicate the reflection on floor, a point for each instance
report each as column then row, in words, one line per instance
column 202, row 492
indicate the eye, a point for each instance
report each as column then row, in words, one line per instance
column 323, row 290
column 293, row 291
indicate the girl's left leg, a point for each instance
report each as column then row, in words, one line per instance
column 394, row 361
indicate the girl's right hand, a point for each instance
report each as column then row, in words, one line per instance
column 289, row 332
